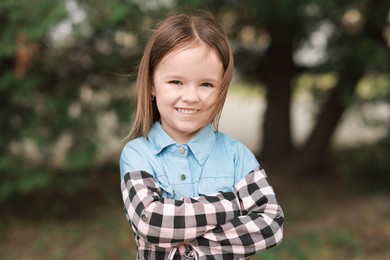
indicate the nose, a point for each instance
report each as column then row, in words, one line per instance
column 190, row 94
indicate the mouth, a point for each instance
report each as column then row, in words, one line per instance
column 186, row 111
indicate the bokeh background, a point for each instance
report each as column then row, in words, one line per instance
column 310, row 97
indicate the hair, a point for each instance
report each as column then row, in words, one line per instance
column 171, row 33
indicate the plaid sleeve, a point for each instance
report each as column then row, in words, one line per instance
column 259, row 228
column 167, row 222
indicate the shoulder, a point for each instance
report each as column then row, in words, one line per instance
column 231, row 143
column 243, row 158
column 134, row 156
column 134, row 144
column 134, row 147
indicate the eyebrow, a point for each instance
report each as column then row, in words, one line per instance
column 174, row 76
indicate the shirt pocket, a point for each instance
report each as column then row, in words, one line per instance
column 211, row 185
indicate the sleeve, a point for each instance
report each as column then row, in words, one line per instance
column 259, row 228
column 167, row 222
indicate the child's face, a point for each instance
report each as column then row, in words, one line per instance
column 185, row 84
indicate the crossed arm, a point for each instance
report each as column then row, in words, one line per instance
column 167, row 221
column 238, row 223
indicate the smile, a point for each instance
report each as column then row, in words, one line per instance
column 187, row 111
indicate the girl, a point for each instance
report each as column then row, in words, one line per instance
column 190, row 191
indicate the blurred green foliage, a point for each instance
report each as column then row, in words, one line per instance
column 64, row 74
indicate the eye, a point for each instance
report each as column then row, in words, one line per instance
column 175, row 82
column 207, row 85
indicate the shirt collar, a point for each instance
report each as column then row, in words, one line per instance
column 159, row 138
column 201, row 144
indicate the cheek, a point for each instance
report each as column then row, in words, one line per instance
column 210, row 98
column 164, row 98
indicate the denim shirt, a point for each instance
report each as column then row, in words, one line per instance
column 208, row 163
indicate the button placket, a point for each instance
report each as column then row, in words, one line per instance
column 182, row 151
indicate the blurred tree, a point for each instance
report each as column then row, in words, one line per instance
column 64, row 72
column 350, row 39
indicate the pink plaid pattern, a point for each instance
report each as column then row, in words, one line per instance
column 226, row 225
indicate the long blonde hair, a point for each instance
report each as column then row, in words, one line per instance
column 171, row 33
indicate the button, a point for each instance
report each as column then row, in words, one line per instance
column 144, row 216
column 183, row 177
column 189, row 253
column 181, row 150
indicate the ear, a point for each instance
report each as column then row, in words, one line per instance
column 152, row 88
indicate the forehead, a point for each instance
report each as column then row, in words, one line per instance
column 203, row 50
column 191, row 62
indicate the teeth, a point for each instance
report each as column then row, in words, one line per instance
column 186, row 111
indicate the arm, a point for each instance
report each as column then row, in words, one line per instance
column 260, row 227
column 167, row 222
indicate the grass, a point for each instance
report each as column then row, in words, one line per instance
column 103, row 235
column 323, row 221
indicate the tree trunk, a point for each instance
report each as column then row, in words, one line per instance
column 311, row 158
column 277, row 140
column 278, row 151
column 313, row 155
